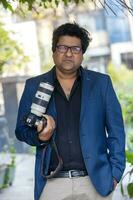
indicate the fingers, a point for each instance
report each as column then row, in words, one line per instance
column 48, row 130
column 50, row 122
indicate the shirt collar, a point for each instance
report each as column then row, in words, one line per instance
column 79, row 74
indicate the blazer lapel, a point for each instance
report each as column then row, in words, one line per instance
column 87, row 88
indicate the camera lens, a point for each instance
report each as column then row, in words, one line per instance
column 41, row 99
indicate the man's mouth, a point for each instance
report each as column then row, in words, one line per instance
column 67, row 60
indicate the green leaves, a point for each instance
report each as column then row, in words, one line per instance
column 35, row 4
column 130, row 190
column 129, row 156
column 11, row 54
column 129, row 173
column 5, row 3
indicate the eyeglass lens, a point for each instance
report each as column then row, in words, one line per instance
column 64, row 49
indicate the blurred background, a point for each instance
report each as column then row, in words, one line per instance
column 25, row 50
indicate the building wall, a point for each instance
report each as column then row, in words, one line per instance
column 11, row 90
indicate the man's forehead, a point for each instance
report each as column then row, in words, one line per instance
column 71, row 40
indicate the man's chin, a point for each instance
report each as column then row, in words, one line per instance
column 69, row 70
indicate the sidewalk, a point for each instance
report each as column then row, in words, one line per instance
column 23, row 186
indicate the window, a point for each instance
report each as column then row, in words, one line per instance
column 118, row 26
column 127, row 59
column 118, row 30
column 92, row 21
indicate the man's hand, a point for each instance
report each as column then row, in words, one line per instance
column 115, row 183
column 48, row 130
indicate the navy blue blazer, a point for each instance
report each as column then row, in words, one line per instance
column 102, row 136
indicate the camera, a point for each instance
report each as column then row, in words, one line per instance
column 39, row 105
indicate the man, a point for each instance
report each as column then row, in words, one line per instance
column 84, row 120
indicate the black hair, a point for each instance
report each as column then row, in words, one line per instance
column 71, row 29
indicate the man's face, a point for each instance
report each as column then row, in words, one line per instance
column 68, row 60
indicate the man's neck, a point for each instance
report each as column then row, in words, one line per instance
column 66, row 76
column 66, row 81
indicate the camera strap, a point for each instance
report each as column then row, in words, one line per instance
column 60, row 161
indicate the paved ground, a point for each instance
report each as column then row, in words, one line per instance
column 22, row 188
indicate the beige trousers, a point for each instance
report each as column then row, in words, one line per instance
column 79, row 188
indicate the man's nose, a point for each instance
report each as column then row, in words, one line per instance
column 69, row 52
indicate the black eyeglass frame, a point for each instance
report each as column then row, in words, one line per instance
column 74, row 49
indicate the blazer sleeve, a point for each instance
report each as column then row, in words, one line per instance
column 22, row 131
column 115, row 132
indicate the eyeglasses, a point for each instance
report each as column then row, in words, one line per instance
column 64, row 49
